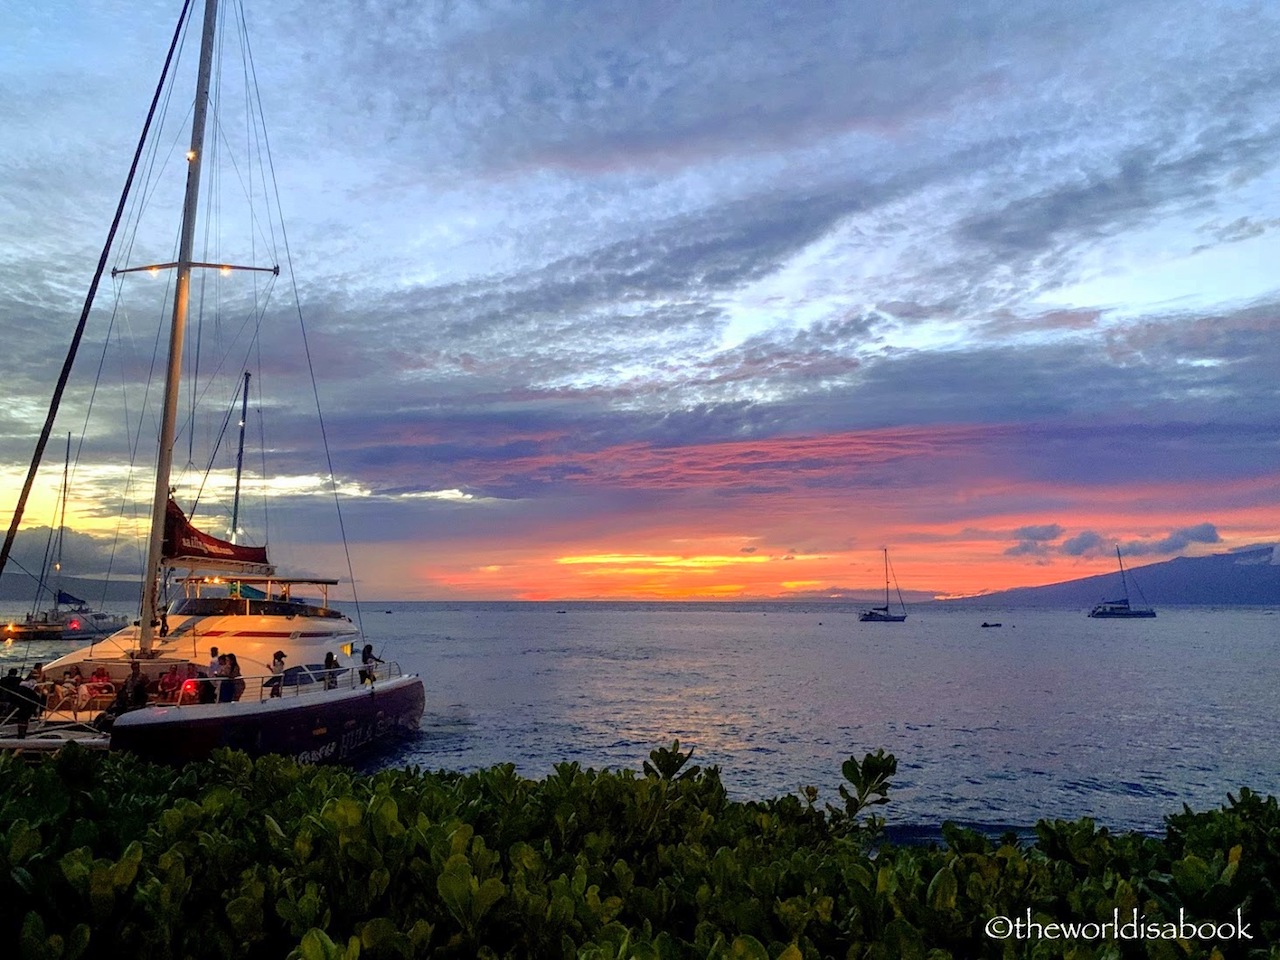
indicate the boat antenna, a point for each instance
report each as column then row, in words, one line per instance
column 67, row 364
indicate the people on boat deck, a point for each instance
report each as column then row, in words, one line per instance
column 38, row 686
column 171, row 683
column 18, row 701
column 37, row 678
column 131, row 695
column 234, row 678
column 67, row 690
column 100, row 681
column 215, row 662
column 276, row 680
column 330, row 671
column 368, row 674
column 226, row 691
column 133, row 692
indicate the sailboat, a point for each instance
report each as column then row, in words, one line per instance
column 327, row 702
column 70, row 617
column 884, row 614
column 1121, row 609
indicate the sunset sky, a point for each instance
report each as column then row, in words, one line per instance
column 694, row 300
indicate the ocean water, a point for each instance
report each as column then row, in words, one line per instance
column 1050, row 715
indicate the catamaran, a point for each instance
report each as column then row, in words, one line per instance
column 301, row 686
column 1121, row 609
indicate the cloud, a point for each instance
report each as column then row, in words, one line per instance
column 1033, row 540
column 1084, row 544
column 1175, row 542
column 1088, row 543
column 84, row 555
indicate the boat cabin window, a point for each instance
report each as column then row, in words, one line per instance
column 207, row 607
column 238, row 606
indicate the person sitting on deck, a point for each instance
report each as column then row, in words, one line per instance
column 131, row 695
column 65, row 692
column 170, row 684
column 133, row 692
column 100, row 682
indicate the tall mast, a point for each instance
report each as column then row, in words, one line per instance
column 886, row 578
column 235, row 502
column 1124, row 584
column 62, row 526
column 182, row 293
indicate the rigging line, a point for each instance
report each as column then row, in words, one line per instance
column 254, row 317
column 84, row 431
column 213, row 455
column 306, row 348
column 65, row 374
column 889, row 563
column 257, row 126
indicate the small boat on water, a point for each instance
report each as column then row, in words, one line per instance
column 82, row 622
column 33, row 627
column 884, row 614
column 985, row 624
column 1121, row 609
column 301, row 681
column 70, row 617
column 78, row 622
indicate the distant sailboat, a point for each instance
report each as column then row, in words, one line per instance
column 883, row 614
column 1121, row 609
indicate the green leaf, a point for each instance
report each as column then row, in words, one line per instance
column 454, row 887
column 943, row 889
column 747, row 947
column 382, row 934
column 24, row 841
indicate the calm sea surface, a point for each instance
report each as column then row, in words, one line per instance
column 1050, row 715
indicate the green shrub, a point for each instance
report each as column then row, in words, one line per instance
column 107, row 856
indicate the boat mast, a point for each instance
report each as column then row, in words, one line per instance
column 1124, row 584
column 886, row 579
column 182, row 293
column 235, row 502
column 62, row 528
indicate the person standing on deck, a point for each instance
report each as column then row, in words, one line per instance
column 277, row 673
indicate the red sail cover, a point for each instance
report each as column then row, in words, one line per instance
column 186, row 546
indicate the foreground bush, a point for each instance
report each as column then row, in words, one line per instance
column 104, row 856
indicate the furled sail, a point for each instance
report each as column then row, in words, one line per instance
column 185, row 546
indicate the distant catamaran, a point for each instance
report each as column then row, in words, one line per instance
column 882, row 614
column 1121, row 609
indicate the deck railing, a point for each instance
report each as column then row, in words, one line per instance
column 305, row 680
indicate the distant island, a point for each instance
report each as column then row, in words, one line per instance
column 1248, row 577
column 20, row 588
